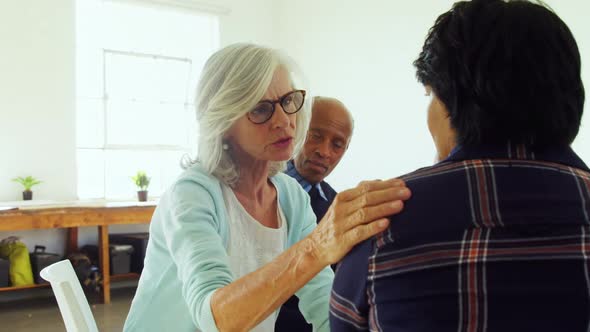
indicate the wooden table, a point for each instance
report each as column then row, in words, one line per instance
column 74, row 215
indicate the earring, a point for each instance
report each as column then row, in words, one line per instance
column 225, row 146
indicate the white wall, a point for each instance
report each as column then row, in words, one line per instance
column 247, row 21
column 362, row 53
column 37, row 97
column 37, row 103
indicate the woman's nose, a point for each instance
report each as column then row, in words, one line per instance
column 280, row 119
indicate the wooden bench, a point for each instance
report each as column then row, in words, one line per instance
column 72, row 216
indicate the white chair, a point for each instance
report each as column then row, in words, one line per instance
column 72, row 302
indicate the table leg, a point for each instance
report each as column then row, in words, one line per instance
column 72, row 240
column 103, row 254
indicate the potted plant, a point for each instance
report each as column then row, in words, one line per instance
column 142, row 181
column 27, row 183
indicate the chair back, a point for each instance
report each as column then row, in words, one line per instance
column 70, row 297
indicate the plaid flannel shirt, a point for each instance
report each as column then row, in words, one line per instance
column 493, row 239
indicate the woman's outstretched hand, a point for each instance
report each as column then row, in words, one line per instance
column 356, row 215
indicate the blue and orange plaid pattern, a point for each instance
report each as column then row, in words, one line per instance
column 493, row 239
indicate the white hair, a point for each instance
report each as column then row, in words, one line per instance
column 233, row 81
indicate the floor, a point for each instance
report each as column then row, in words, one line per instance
column 42, row 315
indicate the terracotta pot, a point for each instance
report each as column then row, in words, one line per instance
column 142, row 195
column 27, row 195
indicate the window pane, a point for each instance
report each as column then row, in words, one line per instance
column 155, row 29
column 89, row 24
column 146, row 123
column 162, row 166
column 135, row 90
column 146, row 78
column 89, row 72
column 90, row 123
column 90, row 173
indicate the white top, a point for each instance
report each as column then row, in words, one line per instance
column 252, row 245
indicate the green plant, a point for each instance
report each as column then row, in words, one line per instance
column 142, row 181
column 27, row 182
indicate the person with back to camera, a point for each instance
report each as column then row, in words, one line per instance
column 234, row 237
column 496, row 236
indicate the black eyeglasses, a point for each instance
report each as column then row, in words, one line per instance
column 291, row 104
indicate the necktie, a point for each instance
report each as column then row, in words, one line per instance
column 316, row 201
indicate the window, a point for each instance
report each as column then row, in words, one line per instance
column 137, row 69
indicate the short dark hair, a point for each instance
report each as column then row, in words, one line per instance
column 505, row 70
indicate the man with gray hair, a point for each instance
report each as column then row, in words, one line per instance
column 329, row 135
column 330, row 130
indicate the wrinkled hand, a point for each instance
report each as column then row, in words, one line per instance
column 356, row 215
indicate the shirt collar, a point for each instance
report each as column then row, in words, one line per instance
column 558, row 154
column 306, row 185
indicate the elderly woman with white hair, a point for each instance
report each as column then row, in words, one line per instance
column 234, row 238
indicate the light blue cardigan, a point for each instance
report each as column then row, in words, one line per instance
column 186, row 259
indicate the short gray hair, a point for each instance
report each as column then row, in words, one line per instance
column 233, row 81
